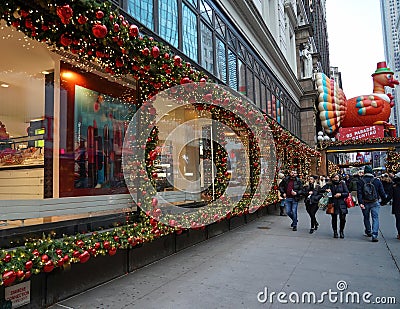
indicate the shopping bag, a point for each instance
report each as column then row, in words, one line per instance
column 349, row 201
column 323, row 202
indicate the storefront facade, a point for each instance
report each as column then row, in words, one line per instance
column 66, row 107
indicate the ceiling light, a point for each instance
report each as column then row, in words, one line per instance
column 4, row 85
column 45, row 72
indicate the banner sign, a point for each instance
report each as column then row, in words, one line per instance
column 366, row 132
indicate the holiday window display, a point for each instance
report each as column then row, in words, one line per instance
column 99, row 132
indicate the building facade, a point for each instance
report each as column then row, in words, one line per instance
column 66, row 106
column 390, row 10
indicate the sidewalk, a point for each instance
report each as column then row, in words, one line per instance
column 229, row 271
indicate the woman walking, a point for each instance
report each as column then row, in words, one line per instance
column 314, row 193
column 387, row 183
column 339, row 192
column 396, row 202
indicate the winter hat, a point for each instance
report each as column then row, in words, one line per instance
column 367, row 169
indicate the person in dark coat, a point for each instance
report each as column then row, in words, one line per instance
column 313, row 192
column 339, row 192
column 396, row 202
column 387, row 183
column 354, row 184
column 291, row 189
column 370, row 208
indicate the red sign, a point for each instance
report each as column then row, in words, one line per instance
column 365, row 132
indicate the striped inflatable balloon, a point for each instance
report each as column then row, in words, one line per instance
column 331, row 103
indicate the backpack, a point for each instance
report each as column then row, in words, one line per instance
column 369, row 191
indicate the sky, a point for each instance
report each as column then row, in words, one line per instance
column 355, row 42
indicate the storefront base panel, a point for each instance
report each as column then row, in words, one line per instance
column 47, row 289
column 151, row 252
column 64, row 283
column 189, row 238
column 237, row 221
column 218, row 228
column 251, row 216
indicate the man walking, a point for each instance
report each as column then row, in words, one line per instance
column 369, row 190
column 291, row 189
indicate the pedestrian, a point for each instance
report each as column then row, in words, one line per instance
column 291, row 189
column 322, row 181
column 396, row 202
column 338, row 192
column 387, row 183
column 357, row 174
column 369, row 190
column 281, row 199
column 313, row 191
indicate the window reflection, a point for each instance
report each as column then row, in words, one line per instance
column 142, row 10
column 221, row 60
column 168, row 21
column 242, row 78
column 257, row 93
column 206, row 48
column 189, row 33
column 232, row 70
column 206, row 11
column 250, row 84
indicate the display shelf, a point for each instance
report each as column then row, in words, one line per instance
column 22, row 152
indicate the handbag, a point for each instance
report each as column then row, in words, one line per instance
column 349, row 201
column 330, row 209
column 323, row 202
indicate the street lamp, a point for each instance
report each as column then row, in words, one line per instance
column 321, row 138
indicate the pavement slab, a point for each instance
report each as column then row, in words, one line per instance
column 238, row 269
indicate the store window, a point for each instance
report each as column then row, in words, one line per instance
column 168, row 21
column 207, row 54
column 257, row 94
column 26, row 67
column 242, row 78
column 96, row 114
column 206, row 11
column 250, row 84
column 232, row 69
column 182, row 168
column 142, row 10
column 221, row 60
column 189, row 32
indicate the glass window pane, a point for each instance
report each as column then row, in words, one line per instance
column 250, row 85
column 273, row 106
column 232, row 70
column 142, row 10
column 242, row 78
column 207, row 60
column 268, row 108
column 220, row 26
column 206, row 11
column 168, row 23
column 221, row 60
column 278, row 110
column 189, row 32
column 263, row 97
column 257, row 94
column 192, row 2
